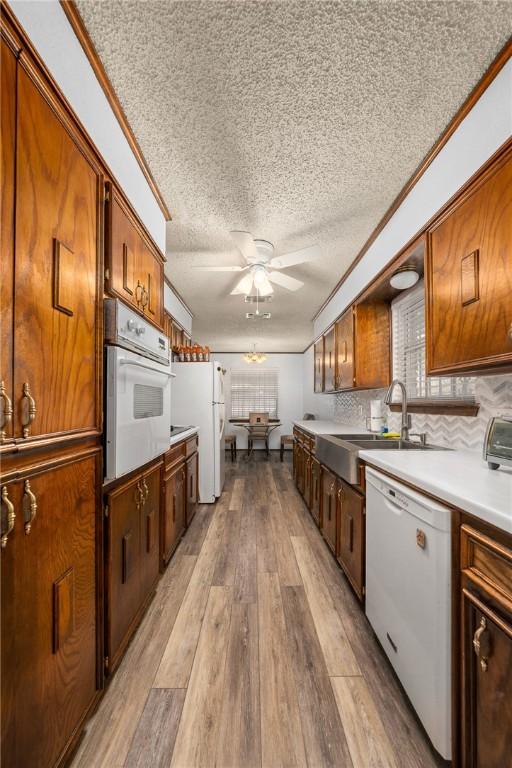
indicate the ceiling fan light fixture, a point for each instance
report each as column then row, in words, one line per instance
column 404, row 278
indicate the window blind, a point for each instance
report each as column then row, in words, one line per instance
column 409, row 365
column 254, row 390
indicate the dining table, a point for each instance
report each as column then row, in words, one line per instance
column 245, row 424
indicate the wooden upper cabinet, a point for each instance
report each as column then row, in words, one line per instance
column 345, row 351
column 329, row 360
column 49, row 650
column 134, row 267
column 57, row 260
column 319, row 365
column 372, row 324
column 469, row 277
column 7, row 154
column 363, row 347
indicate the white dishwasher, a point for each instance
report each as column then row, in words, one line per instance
column 408, row 596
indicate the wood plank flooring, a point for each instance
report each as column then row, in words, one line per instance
column 255, row 652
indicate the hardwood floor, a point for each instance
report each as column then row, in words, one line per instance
column 254, row 652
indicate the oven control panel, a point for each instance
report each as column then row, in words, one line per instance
column 125, row 328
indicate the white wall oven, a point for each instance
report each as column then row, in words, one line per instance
column 138, row 391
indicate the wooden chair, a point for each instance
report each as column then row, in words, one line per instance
column 259, row 422
column 285, row 440
column 230, row 442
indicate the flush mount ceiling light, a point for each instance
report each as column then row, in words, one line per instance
column 403, row 278
column 255, row 357
column 256, row 298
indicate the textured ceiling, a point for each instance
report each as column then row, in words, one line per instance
column 297, row 121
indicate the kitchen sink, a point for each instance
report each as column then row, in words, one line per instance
column 340, row 453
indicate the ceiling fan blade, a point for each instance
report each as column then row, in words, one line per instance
column 243, row 286
column 285, row 281
column 221, row 269
column 245, row 245
column 310, row 253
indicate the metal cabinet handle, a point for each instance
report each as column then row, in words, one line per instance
column 340, row 494
column 139, row 495
column 29, row 507
column 29, row 409
column 138, row 297
column 482, row 644
column 6, row 413
column 11, row 516
column 145, row 492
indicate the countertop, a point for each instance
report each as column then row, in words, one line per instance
column 183, row 435
column 329, row 428
column 461, row 478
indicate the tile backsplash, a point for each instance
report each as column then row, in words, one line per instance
column 494, row 393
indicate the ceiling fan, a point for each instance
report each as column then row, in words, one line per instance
column 263, row 268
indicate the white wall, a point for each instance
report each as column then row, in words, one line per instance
column 175, row 308
column 52, row 35
column 487, row 126
column 290, row 404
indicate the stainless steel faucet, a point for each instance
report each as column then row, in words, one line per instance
column 404, row 432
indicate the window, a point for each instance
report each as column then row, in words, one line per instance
column 408, row 324
column 253, row 390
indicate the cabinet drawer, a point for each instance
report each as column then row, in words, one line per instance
column 175, row 455
column 191, row 446
column 483, row 559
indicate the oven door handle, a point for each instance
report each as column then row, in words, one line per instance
column 125, row 361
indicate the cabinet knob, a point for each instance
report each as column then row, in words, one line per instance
column 6, row 413
column 10, row 517
column 28, row 409
column 29, row 507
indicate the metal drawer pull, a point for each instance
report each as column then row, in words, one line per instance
column 6, row 415
column 482, row 644
column 139, row 495
column 144, row 299
column 145, row 492
column 29, row 507
column 29, row 409
column 137, row 297
column 11, row 516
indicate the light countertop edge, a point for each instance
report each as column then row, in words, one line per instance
column 325, row 427
column 183, row 435
column 460, row 478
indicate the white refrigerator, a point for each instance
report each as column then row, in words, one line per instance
column 198, row 399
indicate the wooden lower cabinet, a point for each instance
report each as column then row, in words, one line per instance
column 351, row 535
column 173, row 510
column 486, row 648
column 330, row 487
column 316, row 490
column 192, row 477
column 306, row 482
column 132, row 563
column 49, row 565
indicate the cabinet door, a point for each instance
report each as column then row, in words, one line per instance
column 351, row 536
column 469, row 279
column 192, row 494
column 307, row 478
column 150, row 524
column 329, row 361
column 487, row 700
column 372, row 335
column 49, row 671
column 7, row 150
column 123, row 584
column 58, row 195
column 173, row 511
column 345, row 351
column 121, row 251
column 315, row 489
column 152, row 278
column 329, row 488
column 300, row 468
column 319, row 365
